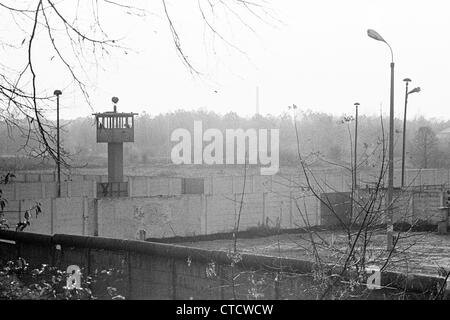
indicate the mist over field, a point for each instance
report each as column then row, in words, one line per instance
column 325, row 138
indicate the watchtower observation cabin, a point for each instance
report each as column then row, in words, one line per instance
column 115, row 128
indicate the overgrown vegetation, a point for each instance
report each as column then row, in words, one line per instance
column 18, row 280
column 74, row 41
column 25, row 216
column 343, row 270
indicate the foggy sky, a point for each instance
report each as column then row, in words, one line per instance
column 317, row 56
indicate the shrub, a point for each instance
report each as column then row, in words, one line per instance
column 20, row 281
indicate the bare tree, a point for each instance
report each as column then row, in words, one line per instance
column 425, row 147
column 341, row 265
column 75, row 36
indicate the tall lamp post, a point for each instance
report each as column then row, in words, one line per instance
column 356, row 144
column 407, row 93
column 390, row 214
column 354, row 164
column 57, row 93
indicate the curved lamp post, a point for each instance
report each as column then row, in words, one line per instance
column 390, row 214
column 407, row 93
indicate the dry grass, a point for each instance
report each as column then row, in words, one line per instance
column 416, row 252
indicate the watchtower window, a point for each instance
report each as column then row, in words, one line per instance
column 114, row 122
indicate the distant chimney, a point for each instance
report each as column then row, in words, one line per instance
column 257, row 100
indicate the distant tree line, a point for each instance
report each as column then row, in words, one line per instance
column 328, row 137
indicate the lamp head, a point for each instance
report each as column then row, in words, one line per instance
column 407, row 80
column 375, row 35
column 115, row 100
column 57, row 92
column 357, row 104
column 415, row 90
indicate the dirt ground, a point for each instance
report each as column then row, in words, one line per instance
column 416, row 252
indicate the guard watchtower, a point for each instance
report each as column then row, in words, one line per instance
column 114, row 128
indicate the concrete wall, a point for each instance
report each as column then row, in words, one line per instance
column 409, row 206
column 162, row 271
column 158, row 217
column 47, row 190
column 190, row 215
column 425, row 206
column 141, row 186
column 156, row 207
column 165, row 216
column 414, row 205
column 59, row 215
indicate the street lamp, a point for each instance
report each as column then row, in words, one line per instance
column 355, row 162
column 356, row 143
column 390, row 214
column 57, row 93
column 407, row 93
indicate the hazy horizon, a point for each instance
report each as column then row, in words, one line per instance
column 317, row 56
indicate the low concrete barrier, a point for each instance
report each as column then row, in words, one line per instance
column 164, row 271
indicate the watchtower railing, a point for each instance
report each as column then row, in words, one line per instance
column 115, row 127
